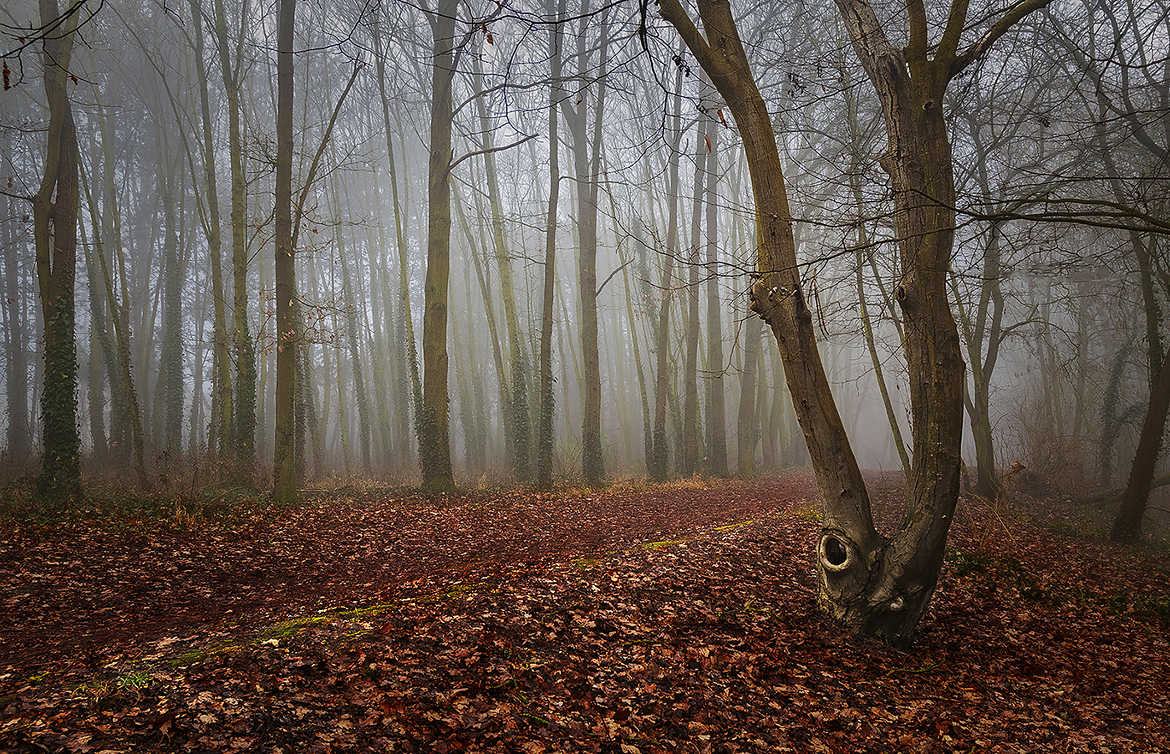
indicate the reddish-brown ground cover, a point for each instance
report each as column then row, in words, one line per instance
column 649, row 619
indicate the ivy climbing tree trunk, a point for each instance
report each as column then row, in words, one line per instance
column 244, row 405
column 221, row 389
column 55, row 208
column 544, row 444
column 520, row 451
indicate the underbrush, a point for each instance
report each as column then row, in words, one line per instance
column 111, row 500
column 1007, row 574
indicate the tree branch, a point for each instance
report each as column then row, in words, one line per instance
column 320, row 151
column 610, row 277
column 478, row 152
column 673, row 12
column 1005, row 22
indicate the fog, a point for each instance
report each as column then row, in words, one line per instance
column 1059, row 155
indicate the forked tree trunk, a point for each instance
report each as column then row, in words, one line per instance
column 873, row 585
column 587, row 163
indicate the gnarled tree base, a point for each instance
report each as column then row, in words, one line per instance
column 867, row 593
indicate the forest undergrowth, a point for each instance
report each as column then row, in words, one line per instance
column 638, row 618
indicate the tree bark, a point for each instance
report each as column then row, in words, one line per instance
column 434, row 441
column 545, row 440
column 520, row 450
column 16, row 360
column 745, row 425
column 284, row 457
column 1127, row 527
column 221, row 389
column 716, row 398
column 691, row 422
column 169, row 394
column 55, row 209
column 244, row 405
column 658, row 466
column 587, row 164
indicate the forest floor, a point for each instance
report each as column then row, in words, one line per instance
column 639, row 618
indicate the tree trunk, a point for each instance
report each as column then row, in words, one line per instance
column 16, row 360
column 1127, row 527
column 124, row 395
column 55, row 209
column 169, row 395
column 986, row 480
column 745, row 425
column 284, row 456
column 631, row 319
column 862, row 304
column 407, row 316
column 99, row 351
column 545, row 440
column 872, row 585
column 221, row 389
column 658, row 466
column 434, row 442
column 489, row 309
column 716, row 399
column 518, row 402
column 360, row 395
column 587, row 163
column 244, row 405
column 690, row 439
